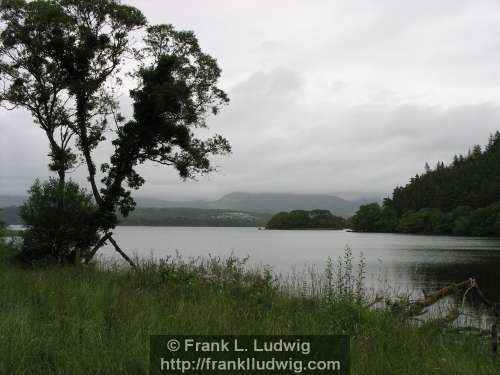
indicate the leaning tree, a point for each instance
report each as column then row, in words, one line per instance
column 60, row 60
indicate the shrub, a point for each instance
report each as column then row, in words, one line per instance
column 60, row 220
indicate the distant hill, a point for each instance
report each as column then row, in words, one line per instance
column 11, row 200
column 189, row 217
column 264, row 202
column 10, row 215
column 194, row 217
column 252, row 204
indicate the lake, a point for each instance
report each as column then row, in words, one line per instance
column 405, row 263
column 395, row 263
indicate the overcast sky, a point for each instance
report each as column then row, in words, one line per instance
column 343, row 97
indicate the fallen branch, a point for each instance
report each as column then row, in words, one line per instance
column 416, row 308
column 419, row 307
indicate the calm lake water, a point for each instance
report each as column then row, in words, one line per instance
column 405, row 263
column 395, row 263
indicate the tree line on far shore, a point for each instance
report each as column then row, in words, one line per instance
column 462, row 198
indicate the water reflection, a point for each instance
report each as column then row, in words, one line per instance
column 431, row 276
column 431, row 269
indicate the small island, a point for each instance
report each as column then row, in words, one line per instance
column 301, row 219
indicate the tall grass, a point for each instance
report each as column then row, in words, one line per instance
column 98, row 320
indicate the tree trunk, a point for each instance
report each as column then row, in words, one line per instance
column 78, row 257
column 85, row 145
column 86, row 149
column 61, row 209
column 120, row 251
column 59, row 153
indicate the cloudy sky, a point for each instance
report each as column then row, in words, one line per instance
column 344, row 97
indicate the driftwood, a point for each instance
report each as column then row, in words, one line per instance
column 419, row 307
column 412, row 309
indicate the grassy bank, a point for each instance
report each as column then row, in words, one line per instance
column 63, row 321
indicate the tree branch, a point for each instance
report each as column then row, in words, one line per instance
column 124, row 256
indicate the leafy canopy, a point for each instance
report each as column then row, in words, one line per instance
column 58, row 58
column 177, row 90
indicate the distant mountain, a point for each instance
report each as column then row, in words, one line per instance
column 189, row 217
column 161, row 203
column 274, row 202
column 249, row 202
column 195, row 217
column 264, row 202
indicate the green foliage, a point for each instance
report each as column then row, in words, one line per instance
column 56, row 58
column 190, row 217
column 60, row 60
column 83, row 323
column 367, row 218
column 194, row 217
column 461, row 221
column 55, row 233
column 388, row 220
column 426, row 220
column 177, row 90
column 342, row 281
column 31, row 77
column 300, row 219
column 472, row 180
column 460, row 199
column 485, row 221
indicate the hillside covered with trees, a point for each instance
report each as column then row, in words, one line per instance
column 462, row 198
column 301, row 219
column 193, row 217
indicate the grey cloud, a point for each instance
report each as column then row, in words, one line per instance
column 346, row 97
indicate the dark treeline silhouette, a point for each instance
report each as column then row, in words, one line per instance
column 301, row 219
column 462, row 198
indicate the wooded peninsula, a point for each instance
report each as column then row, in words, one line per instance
column 460, row 199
